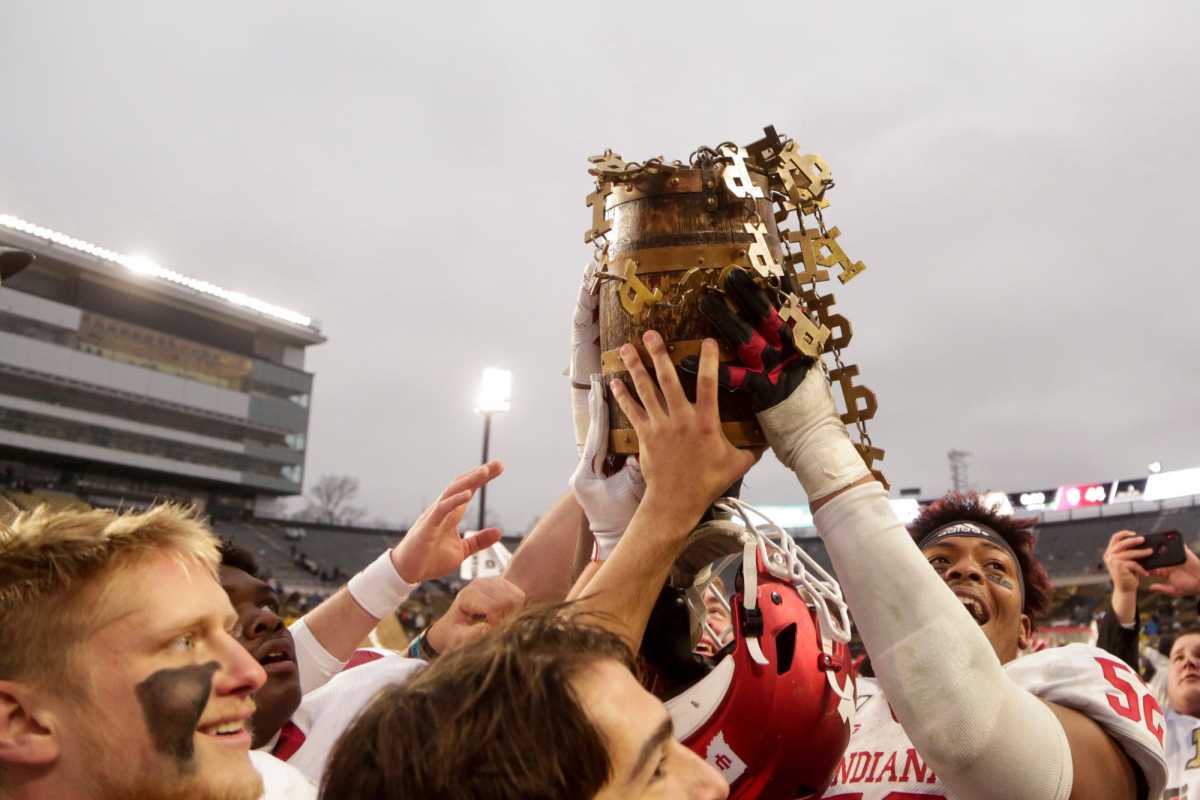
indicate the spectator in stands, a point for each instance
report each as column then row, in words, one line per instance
column 1183, row 714
column 118, row 673
column 1182, row 672
column 1118, row 628
column 543, row 709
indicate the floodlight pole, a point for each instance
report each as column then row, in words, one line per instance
column 487, row 435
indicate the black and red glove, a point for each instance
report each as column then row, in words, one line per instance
column 768, row 365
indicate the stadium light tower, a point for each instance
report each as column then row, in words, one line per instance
column 495, row 397
column 958, row 470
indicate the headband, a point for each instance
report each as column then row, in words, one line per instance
column 974, row 530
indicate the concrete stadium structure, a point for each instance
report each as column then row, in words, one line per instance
column 122, row 382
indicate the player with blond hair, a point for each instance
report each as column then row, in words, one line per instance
column 119, row 677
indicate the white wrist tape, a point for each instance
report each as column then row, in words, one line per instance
column 580, row 416
column 984, row 736
column 379, row 589
column 809, row 438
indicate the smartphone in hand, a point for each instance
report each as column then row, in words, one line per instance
column 1167, row 547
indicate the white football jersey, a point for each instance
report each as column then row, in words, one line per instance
column 880, row 762
column 281, row 781
column 1183, row 757
column 308, row 738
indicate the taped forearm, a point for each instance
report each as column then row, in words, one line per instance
column 809, row 438
column 985, row 736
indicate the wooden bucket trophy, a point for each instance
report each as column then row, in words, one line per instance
column 666, row 233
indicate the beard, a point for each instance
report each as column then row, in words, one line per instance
column 115, row 777
column 193, row 787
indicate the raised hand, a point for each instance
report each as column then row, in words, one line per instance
column 794, row 405
column 684, row 455
column 432, row 547
column 1120, row 557
column 770, row 368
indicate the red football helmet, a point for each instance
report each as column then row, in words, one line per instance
column 774, row 714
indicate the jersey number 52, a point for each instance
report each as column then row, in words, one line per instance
column 1132, row 700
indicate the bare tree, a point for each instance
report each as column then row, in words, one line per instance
column 331, row 500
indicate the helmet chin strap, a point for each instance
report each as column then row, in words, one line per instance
column 750, row 597
column 773, row 549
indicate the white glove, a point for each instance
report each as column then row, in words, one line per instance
column 585, row 352
column 809, row 438
column 609, row 503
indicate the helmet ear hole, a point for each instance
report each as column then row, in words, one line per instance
column 785, row 649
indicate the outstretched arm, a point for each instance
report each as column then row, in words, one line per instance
column 558, row 557
column 327, row 636
column 1118, row 625
column 985, row 736
column 687, row 462
column 587, row 523
column 543, row 564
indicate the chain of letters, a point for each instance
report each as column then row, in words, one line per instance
column 797, row 187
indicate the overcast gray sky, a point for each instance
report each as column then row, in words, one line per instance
column 1020, row 179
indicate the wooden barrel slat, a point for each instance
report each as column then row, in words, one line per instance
column 688, row 223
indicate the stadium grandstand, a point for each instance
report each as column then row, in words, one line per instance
column 122, row 382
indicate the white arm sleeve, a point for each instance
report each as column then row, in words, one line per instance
column 316, row 664
column 984, row 736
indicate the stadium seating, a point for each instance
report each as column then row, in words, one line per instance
column 1072, row 549
column 13, row 502
column 335, row 553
